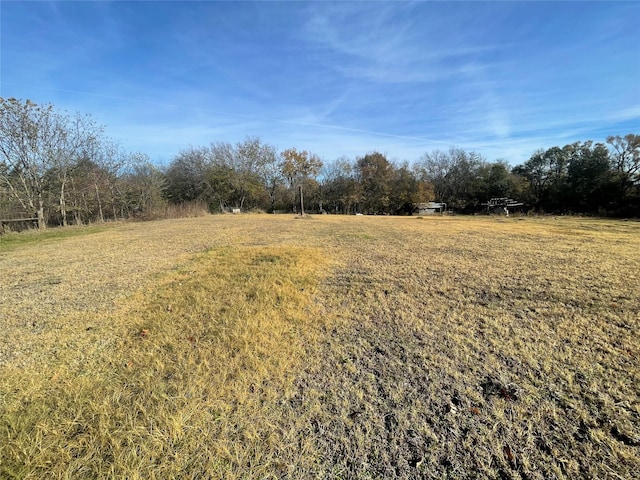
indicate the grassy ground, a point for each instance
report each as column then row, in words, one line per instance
column 337, row 347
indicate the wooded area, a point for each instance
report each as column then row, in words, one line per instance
column 61, row 169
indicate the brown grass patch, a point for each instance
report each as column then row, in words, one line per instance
column 446, row 348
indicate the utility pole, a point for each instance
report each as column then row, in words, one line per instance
column 301, row 201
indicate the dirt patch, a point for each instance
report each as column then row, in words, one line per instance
column 480, row 356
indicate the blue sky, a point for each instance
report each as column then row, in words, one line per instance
column 343, row 78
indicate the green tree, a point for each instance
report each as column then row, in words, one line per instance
column 188, row 176
column 625, row 154
column 375, row 174
column 590, row 178
column 461, row 179
column 405, row 190
column 494, row 180
column 547, row 172
column 536, row 171
column 341, row 192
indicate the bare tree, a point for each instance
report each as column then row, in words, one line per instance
column 452, row 175
column 255, row 166
column 434, row 167
column 80, row 136
column 626, row 158
column 28, row 135
column 38, row 148
column 297, row 167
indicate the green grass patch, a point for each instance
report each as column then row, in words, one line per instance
column 13, row 240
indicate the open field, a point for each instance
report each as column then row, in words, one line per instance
column 260, row 346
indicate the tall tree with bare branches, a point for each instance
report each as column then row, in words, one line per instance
column 38, row 147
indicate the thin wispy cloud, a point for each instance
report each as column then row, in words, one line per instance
column 338, row 78
column 391, row 44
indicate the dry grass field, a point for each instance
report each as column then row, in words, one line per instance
column 258, row 346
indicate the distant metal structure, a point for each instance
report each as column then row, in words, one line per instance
column 502, row 205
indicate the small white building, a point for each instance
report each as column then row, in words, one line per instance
column 431, row 208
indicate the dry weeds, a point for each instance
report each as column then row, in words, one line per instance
column 441, row 348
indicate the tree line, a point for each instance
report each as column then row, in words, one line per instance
column 61, row 169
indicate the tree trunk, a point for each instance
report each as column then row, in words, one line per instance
column 63, row 204
column 100, row 215
column 41, row 223
column 113, row 204
column 77, row 213
column 301, row 203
